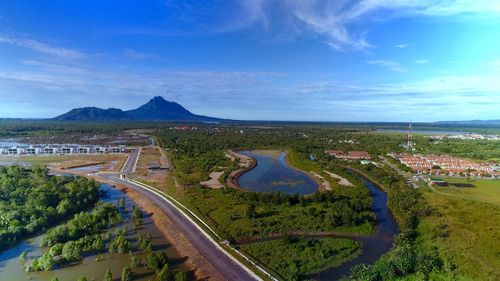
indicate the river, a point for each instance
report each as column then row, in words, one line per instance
column 11, row 266
column 374, row 245
column 272, row 166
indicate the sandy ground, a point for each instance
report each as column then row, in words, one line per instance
column 342, row 181
column 325, row 185
column 246, row 163
column 158, row 178
column 213, row 182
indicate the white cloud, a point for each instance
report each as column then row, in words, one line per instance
column 390, row 65
column 402, row 46
column 42, row 47
column 421, row 61
column 134, row 54
column 332, row 20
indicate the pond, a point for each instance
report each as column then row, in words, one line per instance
column 273, row 174
column 11, row 267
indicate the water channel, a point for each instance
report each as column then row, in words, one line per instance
column 272, row 168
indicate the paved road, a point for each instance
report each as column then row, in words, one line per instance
column 408, row 176
column 128, row 168
column 224, row 264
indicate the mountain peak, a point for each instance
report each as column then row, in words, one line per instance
column 158, row 99
column 157, row 108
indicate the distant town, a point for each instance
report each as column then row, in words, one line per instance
column 45, row 149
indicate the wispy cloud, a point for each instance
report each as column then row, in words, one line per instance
column 42, row 47
column 332, row 20
column 402, row 46
column 390, row 65
column 422, row 61
column 134, row 54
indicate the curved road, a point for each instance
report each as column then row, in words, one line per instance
column 225, row 264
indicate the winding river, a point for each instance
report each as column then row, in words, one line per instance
column 272, row 173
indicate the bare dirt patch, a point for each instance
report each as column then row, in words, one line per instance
column 342, row 181
column 213, row 182
column 324, row 184
column 152, row 167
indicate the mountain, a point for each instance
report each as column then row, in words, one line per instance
column 160, row 109
column 93, row 113
column 157, row 109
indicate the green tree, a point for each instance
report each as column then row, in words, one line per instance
column 126, row 274
column 82, row 278
column 23, row 256
column 156, row 260
column 251, row 212
column 46, row 262
column 108, row 276
column 72, row 251
column 164, row 274
column 135, row 261
column 181, row 276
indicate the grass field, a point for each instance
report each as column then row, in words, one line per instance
column 290, row 256
column 485, row 190
column 466, row 233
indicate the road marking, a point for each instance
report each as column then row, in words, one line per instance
column 166, row 198
column 137, row 159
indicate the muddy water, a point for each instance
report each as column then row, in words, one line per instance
column 11, row 267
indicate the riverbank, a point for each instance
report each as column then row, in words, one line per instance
column 246, row 164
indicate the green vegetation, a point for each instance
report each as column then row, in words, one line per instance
column 473, row 149
column 408, row 258
column 293, row 258
column 243, row 214
column 465, row 234
column 31, row 200
column 83, row 224
column 69, row 241
column 485, row 190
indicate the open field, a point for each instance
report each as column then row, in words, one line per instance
column 466, row 234
column 151, row 155
column 294, row 257
column 69, row 161
column 485, row 190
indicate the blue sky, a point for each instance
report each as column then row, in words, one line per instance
column 325, row 60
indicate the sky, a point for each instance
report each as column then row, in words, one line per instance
column 297, row 60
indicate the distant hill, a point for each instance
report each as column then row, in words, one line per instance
column 93, row 113
column 157, row 109
column 470, row 122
